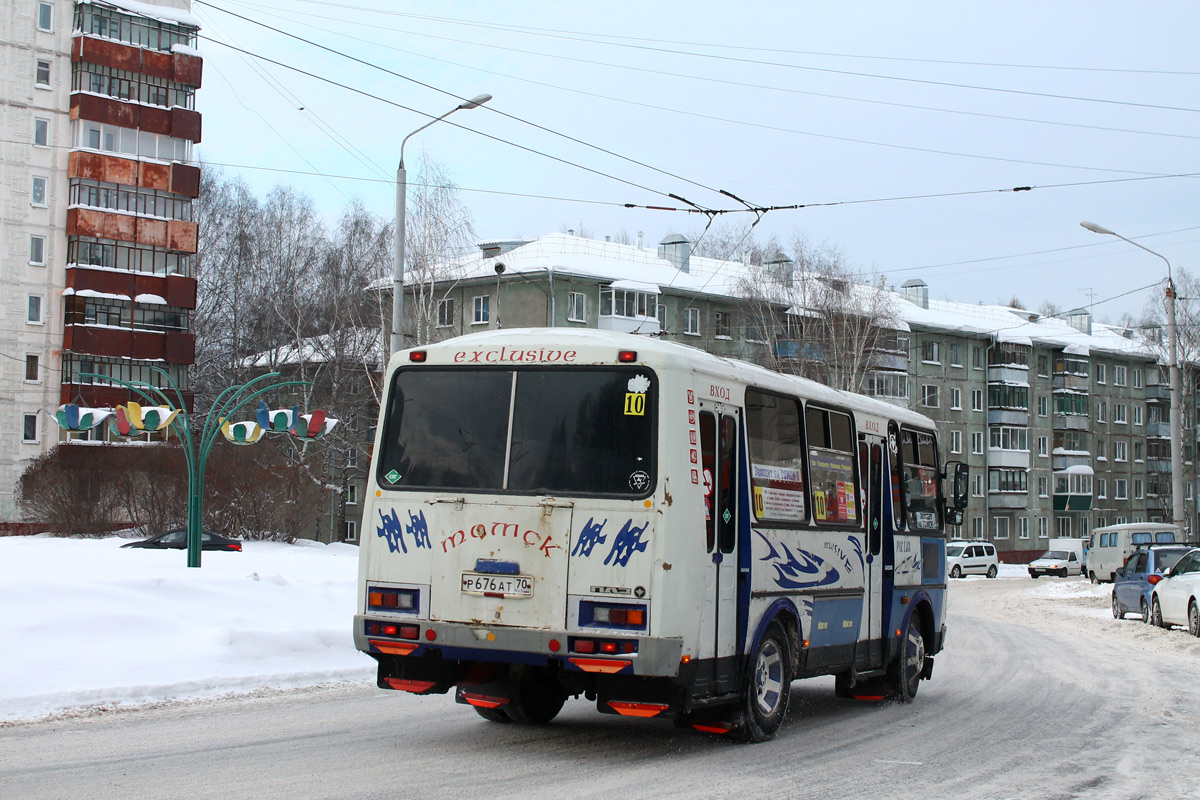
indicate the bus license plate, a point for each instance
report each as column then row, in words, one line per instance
column 503, row 585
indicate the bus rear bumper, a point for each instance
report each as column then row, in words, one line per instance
column 650, row 656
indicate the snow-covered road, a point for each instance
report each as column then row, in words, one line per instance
column 1039, row 694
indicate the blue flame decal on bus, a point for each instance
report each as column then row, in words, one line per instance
column 806, row 571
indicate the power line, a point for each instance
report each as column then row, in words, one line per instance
column 948, row 84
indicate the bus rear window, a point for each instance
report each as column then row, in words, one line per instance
column 776, row 456
column 574, row 431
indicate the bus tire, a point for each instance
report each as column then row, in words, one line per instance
column 492, row 714
column 767, row 687
column 536, row 703
column 906, row 671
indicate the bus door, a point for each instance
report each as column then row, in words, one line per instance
column 874, row 483
column 719, row 450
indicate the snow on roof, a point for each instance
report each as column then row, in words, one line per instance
column 636, row 286
column 179, row 16
column 361, row 343
column 150, row 298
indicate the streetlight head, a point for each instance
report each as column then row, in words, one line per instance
column 475, row 102
column 1094, row 228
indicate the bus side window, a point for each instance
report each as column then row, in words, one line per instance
column 726, row 484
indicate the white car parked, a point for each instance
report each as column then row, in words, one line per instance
column 1176, row 598
column 1056, row 562
column 971, row 558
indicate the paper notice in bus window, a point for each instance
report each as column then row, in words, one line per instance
column 834, row 491
column 778, row 492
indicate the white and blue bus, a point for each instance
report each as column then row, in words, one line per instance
column 576, row 513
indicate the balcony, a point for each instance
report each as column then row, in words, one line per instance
column 1007, row 500
column 1158, row 430
column 794, row 348
column 1008, row 373
column 1158, row 465
column 1017, row 459
column 1065, row 458
column 886, row 360
column 1072, row 502
column 1069, row 422
column 1158, row 392
column 1008, row 416
column 1068, row 380
column 173, row 347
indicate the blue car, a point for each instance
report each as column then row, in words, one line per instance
column 1135, row 581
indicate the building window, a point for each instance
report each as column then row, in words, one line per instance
column 37, row 194
column 1137, row 378
column 1137, row 415
column 1118, row 375
column 1043, row 446
column 956, row 399
column 42, row 78
column 1023, row 528
column 41, row 132
column 352, row 495
column 351, row 530
column 976, row 357
column 445, row 312
column 1007, row 396
column 1139, row 451
column 45, row 20
column 977, row 442
column 1101, row 489
column 955, row 441
column 1003, row 438
column 1137, row 489
column 1000, row 529
column 1101, row 372
column 977, row 486
column 1043, row 486
column 929, row 395
column 956, row 355
column 352, row 457
column 1064, row 526
column 721, row 325
column 886, row 384
column 1044, row 528
column 977, row 527
column 1120, row 413
column 29, row 428
column 37, row 250
column 34, row 312
column 1101, row 450
column 1120, row 489
column 691, row 321
column 31, row 368
column 1071, row 403
column 1101, row 411
column 576, row 307
column 1043, row 405
column 481, row 310
column 977, row 399
column 1043, row 366
column 931, row 353
column 1008, row 481
column 1120, row 451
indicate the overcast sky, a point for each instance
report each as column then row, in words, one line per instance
column 911, row 119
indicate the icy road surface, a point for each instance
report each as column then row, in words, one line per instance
column 1040, row 694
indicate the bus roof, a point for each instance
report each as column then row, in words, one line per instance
column 592, row 346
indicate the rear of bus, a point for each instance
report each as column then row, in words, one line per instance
column 508, row 537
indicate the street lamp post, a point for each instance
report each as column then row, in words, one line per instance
column 398, row 239
column 1177, row 507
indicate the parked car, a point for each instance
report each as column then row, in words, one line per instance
column 1109, row 547
column 1056, row 562
column 1135, row 581
column 1175, row 599
column 971, row 558
column 177, row 540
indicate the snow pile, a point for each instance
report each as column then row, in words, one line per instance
column 87, row 623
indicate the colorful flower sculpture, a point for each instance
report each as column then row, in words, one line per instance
column 278, row 421
column 73, row 417
column 241, row 432
column 132, row 419
column 311, row 427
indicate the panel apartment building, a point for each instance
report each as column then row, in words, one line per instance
column 96, row 224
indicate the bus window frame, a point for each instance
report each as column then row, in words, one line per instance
column 655, row 429
column 859, row 524
column 939, row 500
column 771, row 522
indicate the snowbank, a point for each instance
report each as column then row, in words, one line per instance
column 88, row 623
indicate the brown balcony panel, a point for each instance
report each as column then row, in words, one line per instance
column 148, row 346
column 181, row 291
column 156, row 120
column 102, row 280
column 102, row 225
column 185, row 179
column 181, row 236
column 153, row 232
column 101, row 341
column 102, row 167
column 185, row 124
column 107, row 53
column 179, row 347
column 154, row 176
column 189, row 69
column 158, row 64
column 105, row 109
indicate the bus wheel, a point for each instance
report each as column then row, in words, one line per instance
column 906, row 671
column 536, row 703
column 768, row 687
column 492, row 714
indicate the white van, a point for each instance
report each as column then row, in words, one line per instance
column 1108, row 547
